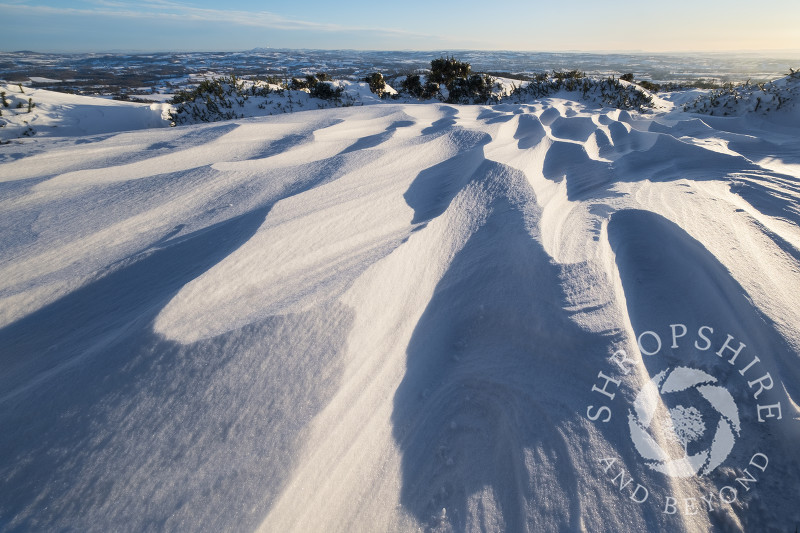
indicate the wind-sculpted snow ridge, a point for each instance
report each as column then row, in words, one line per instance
column 550, row 316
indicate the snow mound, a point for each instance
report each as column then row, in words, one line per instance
column 27, row 112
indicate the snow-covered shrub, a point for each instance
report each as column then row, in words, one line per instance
column 619, row 95
column 476, row 89
column 325, row 90
column 229, row 98
column 414, row 87
column 450, row 80
column 644, row 84
column 446, row 70
column 749, row 97
column 298, row 84
column 210, row 101
column 649, row 85
column 376, row 83
column 609, row 91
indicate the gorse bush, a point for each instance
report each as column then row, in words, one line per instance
column 319, row 86
column 376, row 83
column 749, row 97
column 649, row 85
column 475, row 89
column 462, row 86
column 446, row 70
column 609, row 91
column 227, row 97
column 298, row 84
column 644, row 84
column 211, row 100
column 413, row 86
column 451, row 81
column 325, row 90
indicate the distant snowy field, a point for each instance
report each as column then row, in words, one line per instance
column 395, row 317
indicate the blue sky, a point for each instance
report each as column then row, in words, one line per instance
column 589, row 25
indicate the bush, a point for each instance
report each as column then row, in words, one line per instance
column 454, row 75
column 272, row 80
column 649, row 85
column 215, row 88
column 627, row 77
column 733, row 99
column 609, row 91
column 325, row 90
column 413, row 86
column 211, row 100
column 475, row 89
column 376, row 83
column 571, row 80
column 298, row 84
column 446, row 70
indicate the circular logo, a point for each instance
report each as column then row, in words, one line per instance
column 663, row 435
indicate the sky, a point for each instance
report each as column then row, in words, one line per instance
column 535, row 25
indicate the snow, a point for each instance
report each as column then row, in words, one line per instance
column 388, row 317
column 61, row 114
column 39, row 79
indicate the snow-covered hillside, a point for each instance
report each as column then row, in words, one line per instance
column 400, row 317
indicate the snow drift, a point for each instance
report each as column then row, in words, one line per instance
column 397, row 317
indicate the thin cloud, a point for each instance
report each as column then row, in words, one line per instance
column 162, row 9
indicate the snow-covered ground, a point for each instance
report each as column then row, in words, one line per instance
column 27, row 112
column 399, row 317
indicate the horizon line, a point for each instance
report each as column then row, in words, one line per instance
column 410, row 50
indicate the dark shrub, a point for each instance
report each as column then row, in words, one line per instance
column 376, row 83
column 649, row 85
column 412, row 85
column 298, row 84
column 445, row 70
column 474, row 89
column 325, row 90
